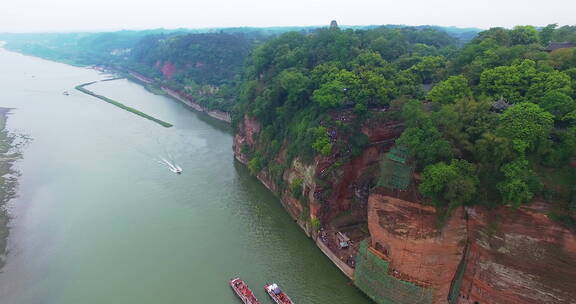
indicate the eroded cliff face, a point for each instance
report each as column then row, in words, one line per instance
column 245, row 137
column 353, row 180
column 513, row 255
column 406, row 234
column 479, row 256
column 518, row 256
column 329, row 190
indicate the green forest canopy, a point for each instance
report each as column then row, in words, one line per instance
column 301, row 87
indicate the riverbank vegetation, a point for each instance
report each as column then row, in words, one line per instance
column 489, row 118
column 82, row 89
column 490, row 122
column 10, row 146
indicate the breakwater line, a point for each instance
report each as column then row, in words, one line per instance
column 82, row 89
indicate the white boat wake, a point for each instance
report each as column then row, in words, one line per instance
column 172, row 167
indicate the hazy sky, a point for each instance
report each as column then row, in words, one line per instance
column 81, row 15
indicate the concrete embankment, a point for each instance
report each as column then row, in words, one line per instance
column 82, row 89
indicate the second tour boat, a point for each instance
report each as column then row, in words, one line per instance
column 277, row 294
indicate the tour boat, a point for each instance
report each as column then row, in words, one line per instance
column 277, row 294
column 242, row 290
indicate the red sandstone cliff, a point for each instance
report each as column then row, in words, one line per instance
column 339, row 186
column 514, row 256
column 406, row 234
column 518, row 256
column 507, row 255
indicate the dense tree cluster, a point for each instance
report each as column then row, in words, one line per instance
column 516, row 149
column 312, row 92
column 497, row 125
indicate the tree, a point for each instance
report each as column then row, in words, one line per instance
column 321, row 141
column 255, row 165
column 519, row 184
column 337, row 87
column 547, row 32
column 450, row 90
column 455, row 183
column 295, row 84
column 430, row 68
column 509, row 82
column 544, row 82
column 563, row 59
column 369, row 59
column 497, row 34
column 464, row 122
column 422, row 137
column 557, row 103
column 526, row 122
column 330, row 94
column 425, row 143
column 374, row 89
column 524, row 35
column 491, row 151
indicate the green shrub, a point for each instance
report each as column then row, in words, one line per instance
column 296, row 187
column 315, row 224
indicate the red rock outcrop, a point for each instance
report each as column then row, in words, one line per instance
column 352, row 175
column 406, row 234
column 518, row 256
column 168, row 69
column 378, row 132
column 245, row 136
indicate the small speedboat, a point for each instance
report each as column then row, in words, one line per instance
column 172, row 167
column 66, row 93
column 176, row 170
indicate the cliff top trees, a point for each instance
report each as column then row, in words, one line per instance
column 450, row 90
column 335, row 70
column 526, row 125
column 314, row 92
column 450, row 185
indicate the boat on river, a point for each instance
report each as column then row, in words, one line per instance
column 242, row 290
column 279, row 296
column 176, row 169
column 172, row 167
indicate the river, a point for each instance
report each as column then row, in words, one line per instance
column 98, row 220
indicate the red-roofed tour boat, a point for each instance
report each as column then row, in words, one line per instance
column 277, row 294
column 242, row 290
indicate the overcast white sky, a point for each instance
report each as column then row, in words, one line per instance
column 82, row 15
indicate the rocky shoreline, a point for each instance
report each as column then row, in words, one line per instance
column 216, row 114
column 8, row 180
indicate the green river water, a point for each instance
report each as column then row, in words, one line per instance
column 98, row 220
